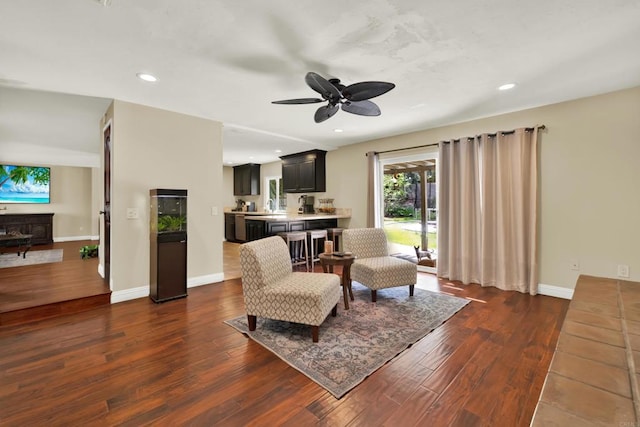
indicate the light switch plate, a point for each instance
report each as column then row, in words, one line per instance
column 132, row 213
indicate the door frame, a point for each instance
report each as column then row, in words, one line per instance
column 105, row 252
column 427, row 153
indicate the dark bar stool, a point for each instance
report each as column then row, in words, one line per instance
column 316, row 241
column 298, row 249
column 335, row 235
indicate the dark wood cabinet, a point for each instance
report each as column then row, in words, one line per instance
column 304, row 172
column 230, row 227
column 255, row 229
column 277, row 227
column 39, row 225
column 297, row 226
column 246, row 180
column 321, row 224
column 168, row 271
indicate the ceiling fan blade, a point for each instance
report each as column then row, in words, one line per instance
column 323, row 87
column 299, row 101
column 323, row 113
column 366, row 90
column 362, row 108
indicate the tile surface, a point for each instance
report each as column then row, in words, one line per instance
column 596, row 366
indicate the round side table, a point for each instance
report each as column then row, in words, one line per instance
column 328, row 261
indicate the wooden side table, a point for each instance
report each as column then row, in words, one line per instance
column 328, row 261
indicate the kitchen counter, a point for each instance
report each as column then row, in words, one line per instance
column 296, row 217
column 266, row 216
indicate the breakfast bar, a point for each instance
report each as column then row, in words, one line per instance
column 248, row 226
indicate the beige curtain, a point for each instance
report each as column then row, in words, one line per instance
column 372, row 163
column 460, row 216
column 489, row 233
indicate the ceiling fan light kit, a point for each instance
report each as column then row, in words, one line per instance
column 353, row 99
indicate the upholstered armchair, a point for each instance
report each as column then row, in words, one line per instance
column 373, row 267
column 273, row 290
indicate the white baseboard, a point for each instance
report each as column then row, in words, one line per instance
column 192, row 282
column 143, row 291
column 129, row 294
column 74, row 238
column 555, row 291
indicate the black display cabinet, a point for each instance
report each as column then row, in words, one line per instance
column 168, row 238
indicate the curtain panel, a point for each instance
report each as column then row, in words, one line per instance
column 488, row 224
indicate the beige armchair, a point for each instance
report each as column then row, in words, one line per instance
column 272, row 290
column 373, row 267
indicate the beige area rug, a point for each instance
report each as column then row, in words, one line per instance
column 356, row 342
column 11, row 259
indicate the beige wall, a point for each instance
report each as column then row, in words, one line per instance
column 229, row 200
column 70, row 202
column 154, row 148
column 589, row 177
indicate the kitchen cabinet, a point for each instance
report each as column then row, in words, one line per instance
column 246, row 180
column 297, row 226
column 277, row 227
column 39, row 225
column 230, row 227
column 304, row 172
column 255, row 230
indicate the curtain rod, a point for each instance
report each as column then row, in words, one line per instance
column 505, row 132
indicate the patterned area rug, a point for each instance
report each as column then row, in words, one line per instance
column 356, row 342
column 11, row 259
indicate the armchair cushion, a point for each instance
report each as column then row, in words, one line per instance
column 374, row 267
column 383, row 272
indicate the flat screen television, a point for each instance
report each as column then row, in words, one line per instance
column 24, row 184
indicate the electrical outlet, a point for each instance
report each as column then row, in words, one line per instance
column 623, row 270
column 574, row 265
column 214, row 211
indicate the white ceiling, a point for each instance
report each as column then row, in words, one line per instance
column 227, row 60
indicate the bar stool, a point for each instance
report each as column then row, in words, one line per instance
column 335, row 235
column 298, row 249
column 314, row 237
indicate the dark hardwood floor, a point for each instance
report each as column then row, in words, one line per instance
column 48, row 290
column 139, row 363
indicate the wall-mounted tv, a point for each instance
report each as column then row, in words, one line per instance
column 24, row 184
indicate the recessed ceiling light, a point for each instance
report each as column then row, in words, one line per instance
column 338, row 130
column 278, row 151
column 507, row 86
column 147, row 77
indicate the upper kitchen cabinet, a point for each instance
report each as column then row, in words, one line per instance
column 304, row 172
column 246, row 180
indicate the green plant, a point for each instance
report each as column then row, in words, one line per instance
column 89, row 251
column 171, row 223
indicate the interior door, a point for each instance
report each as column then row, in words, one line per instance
column 106, row 247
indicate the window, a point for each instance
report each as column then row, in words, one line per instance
column 275, row 199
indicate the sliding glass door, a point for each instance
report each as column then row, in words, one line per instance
column 410, row 206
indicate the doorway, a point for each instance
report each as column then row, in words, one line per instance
column 106, row 212
column 410, row 207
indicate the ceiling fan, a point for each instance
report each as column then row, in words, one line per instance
column 352, row 99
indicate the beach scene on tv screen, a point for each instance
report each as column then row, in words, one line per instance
column 24, row 184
